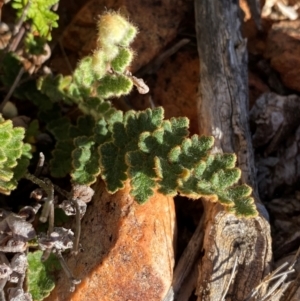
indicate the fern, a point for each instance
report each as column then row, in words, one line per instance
column 142, row 147
column 14, row 155
column 40, row 283
column 103, row 74
column 39, row 14
column 152, row 153
column 157, row 154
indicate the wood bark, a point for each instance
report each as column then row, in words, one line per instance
column 223, row 113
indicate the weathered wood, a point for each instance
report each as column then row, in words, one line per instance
column 254, row 6
column 186, row 264
column 223, row 113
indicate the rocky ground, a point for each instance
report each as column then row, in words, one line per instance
column 167, row 59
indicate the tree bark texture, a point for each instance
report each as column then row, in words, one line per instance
column 223, row 113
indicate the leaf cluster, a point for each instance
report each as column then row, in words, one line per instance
column 102, row 74
column 76, row 147
column 156, row 154
column 39, row 14
column 152, row 153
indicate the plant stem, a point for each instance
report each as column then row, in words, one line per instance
column 69, row 274
column 12, row 88
column 48, row 208
column 78, row 228
column 40, row 165
column 62, row 191
column 18, row 31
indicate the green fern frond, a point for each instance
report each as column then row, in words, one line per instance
column 164, row 158
column 40, row 282
column 85, row 161
column 153, row 153
column 125, row 138
column 14, row 155
column 193, row 172
column 102, row 74
column 39, row 14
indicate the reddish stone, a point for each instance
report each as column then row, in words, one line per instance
column 283, row 50
column 128, row 250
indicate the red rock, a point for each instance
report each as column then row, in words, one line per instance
column 175, row 88
column 128, row 250
column 283, row 50
column 288, row 64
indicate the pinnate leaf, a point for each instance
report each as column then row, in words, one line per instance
column 40, row 15
column 125, row 139
column 40, row 283
column 14, row 155
column 85, row 161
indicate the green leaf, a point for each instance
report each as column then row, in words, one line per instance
column 114, row 85
column 10, row 67
column 84, row 74
column 39, row 14
column 125, row 138
column 244, row 207
column 101, row 132
column 39, row 281
column 59, row 128
column 168, row 175
column 56, row 88
column 225, row 178
column 32, row 129
column 114, row 30
column 142, row 175
column 85, row 161
column 23, row 162
column 84, row 126
column 122, row 60
column 35, row 44
column 152, row 146
column 61, row 163
column 14, row 155
column 113, row 166
column 163, row 139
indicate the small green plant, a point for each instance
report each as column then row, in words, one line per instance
column 142, row 147
column 101, row 75
column 152, row 153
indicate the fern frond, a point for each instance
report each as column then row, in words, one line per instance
column 39, row 14
column 14, row 155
